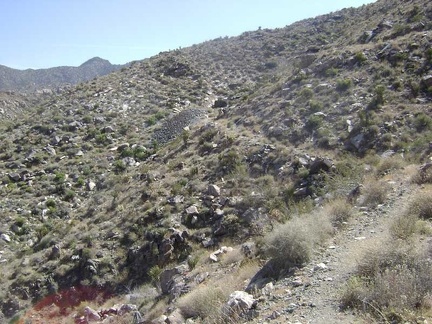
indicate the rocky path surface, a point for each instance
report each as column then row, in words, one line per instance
column 312, row 294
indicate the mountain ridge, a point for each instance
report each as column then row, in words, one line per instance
column 28, row 80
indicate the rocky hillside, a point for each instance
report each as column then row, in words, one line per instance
column 243, row 179
column 30, row 80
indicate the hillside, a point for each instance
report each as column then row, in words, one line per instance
column 291, row 166
column 36, row 79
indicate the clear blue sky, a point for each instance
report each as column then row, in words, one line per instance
column 47, row 33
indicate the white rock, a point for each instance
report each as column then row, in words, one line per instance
column 5, row 238
column 225, row 249
column 213, row 190
column 297, row 282
column 192, row 210
column 91, row 185
column 320, row 266
column 91, row 315
column 268, row 289
column 240, row 301
column 213, row 257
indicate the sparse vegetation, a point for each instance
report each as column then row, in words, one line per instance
column 298, row 149
column 293, row 243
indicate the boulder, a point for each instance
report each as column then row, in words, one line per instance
column 427, row 81
column 172, row 282
column 220, row 103
column 239, row 303
column 90, row 185
column 320, row 164
column 14, row 176
column 357, row 141
column 5, row 237
column 213, row 190
column 91, row 315
column 50, row 150
column 191, row 210
column 126, row 308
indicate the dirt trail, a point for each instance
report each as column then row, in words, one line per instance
column 312, row 294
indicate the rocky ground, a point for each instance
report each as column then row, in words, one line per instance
column 313, row 293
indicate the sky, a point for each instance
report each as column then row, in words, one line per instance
column 48, row 33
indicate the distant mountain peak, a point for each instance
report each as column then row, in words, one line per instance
column 30, row 80
column 96, row 60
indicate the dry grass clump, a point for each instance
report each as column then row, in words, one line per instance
column 404, row 226
column 374, row 192
column 293, row 242
column 339, row 211
column 423, row 175
column 421, row 205
column 202, row 302
column 391, row 283
column 414, row 219
column 206, row 302
column 389, row 164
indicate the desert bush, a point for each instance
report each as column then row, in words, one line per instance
column 423, row 175
column 315, row 105
column 422, row 122
column 389, row 164
column 203, row 302
column 119, row 166
column 229, row 161
column 360, row 57
column 306, row 93
column 428, row 55
column 154, row 275
column 374, row 193
column 314, row 122
column 69, row 195
column 403, row 226
column 293, row 242
column 421, row 205
column 339, row 211
column 343, row 85
column 389, row 283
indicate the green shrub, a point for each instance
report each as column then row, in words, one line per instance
column 315, row 106
column 60, row 177
column 119, row 166
column 331, row 72
column 428, row 55
column 102, row 139
column 154, row 275
column 208, row 136
column 342, row 85
column 314, row 122
column 151, row 121
column 69, row 195
column 422, row 122
column 360, row 57
column 229, row 161
column 306, row 93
